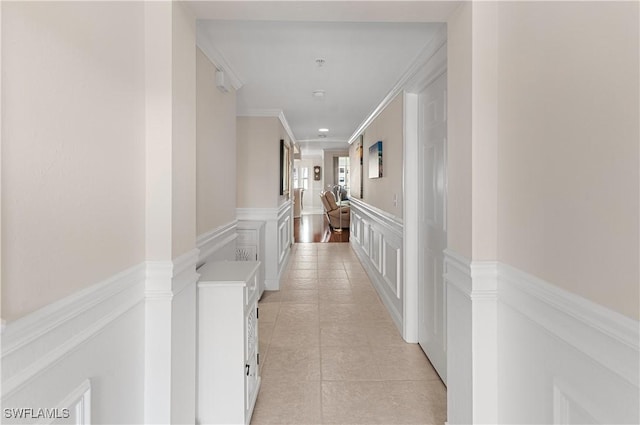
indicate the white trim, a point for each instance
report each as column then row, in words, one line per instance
column 479, row 291
column 391, row 222
column 221, row 63
column 457, row 271
column 80, row 400
column 422, row 59
column 257, row 214
column 35, row 342
column 608, row 337
column 166, row 281
column 411, row 217
column 212, row 241
column 432, row 65
column 184, row 271
column 372, row 231
column 277, row 250
column 287, row 128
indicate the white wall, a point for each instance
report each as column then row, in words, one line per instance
column 73, row 140
column 216, row 150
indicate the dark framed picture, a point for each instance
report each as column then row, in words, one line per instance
column 285, row 166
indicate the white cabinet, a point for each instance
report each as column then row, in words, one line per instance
column 228, row 358
column 250, row 246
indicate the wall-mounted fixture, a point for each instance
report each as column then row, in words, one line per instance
column 220, row 83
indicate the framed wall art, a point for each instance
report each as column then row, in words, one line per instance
column 375, row 160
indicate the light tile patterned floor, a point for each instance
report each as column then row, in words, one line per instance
column 330, row 353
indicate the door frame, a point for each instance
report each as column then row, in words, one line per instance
column 433, row 68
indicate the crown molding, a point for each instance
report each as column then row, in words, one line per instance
column 422, row 59
column 217, row 58
column 287, row 128
column 275, row 113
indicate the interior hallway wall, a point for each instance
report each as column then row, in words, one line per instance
column 73, row 207
column 543, row 213
column 183, row 128
column 258, row 156
column 459, row 132
column 388, row 128
column 569, row 152
column 258, row 170
column 73, row 146
column 216, row 150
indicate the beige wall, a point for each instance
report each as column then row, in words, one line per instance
column 73, row 137
column 459, row 131
column 387, row 127
column 183, row 216
column 216, row 150
column 258, row 156
column 568, row 147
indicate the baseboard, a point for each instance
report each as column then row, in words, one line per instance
column 33, row 344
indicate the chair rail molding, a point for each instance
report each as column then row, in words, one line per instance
column 215, row 240
column 36, row 342
column 552, row 346
column 55, row 350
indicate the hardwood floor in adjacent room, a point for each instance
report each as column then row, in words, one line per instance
column 315, row 228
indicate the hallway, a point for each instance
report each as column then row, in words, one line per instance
column 330, row 353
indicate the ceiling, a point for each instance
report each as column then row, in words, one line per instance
column 274, row 61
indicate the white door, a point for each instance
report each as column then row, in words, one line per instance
column 432, row 133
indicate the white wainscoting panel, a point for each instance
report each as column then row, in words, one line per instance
column 218, row 244
column 278, row 239
column 521, row 350
column 96, row 333
column 376, row 238
column 580, row 360
column 457, row 278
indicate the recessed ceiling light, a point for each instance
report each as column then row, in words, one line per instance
column 320, row 62
column 318, row 93
column 323, row 130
